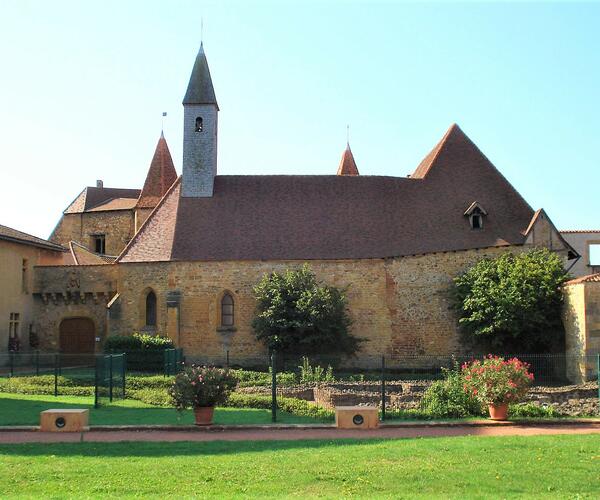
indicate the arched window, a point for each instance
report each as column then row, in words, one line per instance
column 151, row 309
column 198, row 127
column 227, row 310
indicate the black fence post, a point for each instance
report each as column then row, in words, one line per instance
column 56, row 360
column 96, row 399
column 59, row 365
column 123, row 372
column 37, row 362
column 382, row 388
column 273, row 386
column 11, row 361
column 227, row 359
column 110, row 377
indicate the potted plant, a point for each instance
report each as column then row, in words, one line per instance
column 496, row 382
column 201, row 388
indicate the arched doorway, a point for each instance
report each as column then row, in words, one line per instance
column 77, row 336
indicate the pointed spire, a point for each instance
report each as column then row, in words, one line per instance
column 347, row 164
column 200, row 88
column 453, row 135
column 161, row 175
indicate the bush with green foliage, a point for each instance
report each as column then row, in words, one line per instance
column 297, row 314
column 531, row 410
column 144, row 352
column 447, row 398
column 512, row 303
column 250, row 378
column 294, row 406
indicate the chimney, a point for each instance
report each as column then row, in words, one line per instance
column 99, row 183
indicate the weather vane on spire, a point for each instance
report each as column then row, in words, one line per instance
column 348, row 135
column 162, row 122
column 201, row 30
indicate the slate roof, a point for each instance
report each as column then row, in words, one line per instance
column 200, row 89
column 590, row 278
column 347, row 164
column 339, row 217
column 160, row 178
column 12, row 235
column 93, row 197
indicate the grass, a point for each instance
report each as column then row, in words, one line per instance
column 460, row 467
column 21, row 409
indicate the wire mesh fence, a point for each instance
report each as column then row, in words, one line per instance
column 110, row 378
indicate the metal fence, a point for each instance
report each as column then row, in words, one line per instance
column 110, row 378
column 173, row 361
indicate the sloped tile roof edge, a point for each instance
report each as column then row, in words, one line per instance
column 577, row 231
column 146, row 222
column 590, row 278
column 535, row 217
column 16, row 236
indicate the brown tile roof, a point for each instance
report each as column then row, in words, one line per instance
column 582, row 231
column 114, row 204
column 83, row 257
column 14, row 236
column 160, row 178
column 590, row 278
column 347, row 163
column 92, row 197
column 339, row 217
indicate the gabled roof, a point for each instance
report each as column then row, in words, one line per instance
column 160, row 178
column 590, row 278
column 338, row 217
column 200, row 88
column 93, row 197
column 473, row 206
column 347, row 163
column 14, row 236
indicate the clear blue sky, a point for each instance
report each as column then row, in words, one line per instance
column 83, row 86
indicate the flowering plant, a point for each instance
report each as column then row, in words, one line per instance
column 201, row 386
column 496, row 381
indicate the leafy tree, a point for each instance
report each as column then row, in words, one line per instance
column 512, row 302
column 297, row 314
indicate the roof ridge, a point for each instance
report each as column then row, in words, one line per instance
column 423, row 168
column 590, row 278
column 26, row 238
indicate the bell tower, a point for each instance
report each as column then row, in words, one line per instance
column 200, row 117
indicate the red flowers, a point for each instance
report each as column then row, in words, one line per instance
column 496, row 380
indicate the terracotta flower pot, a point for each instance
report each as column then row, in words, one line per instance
column 498, row 412
column 204, row 415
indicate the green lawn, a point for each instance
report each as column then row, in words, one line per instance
column 22, row 409
column 459, row 467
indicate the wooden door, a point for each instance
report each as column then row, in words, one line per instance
column 77, row 336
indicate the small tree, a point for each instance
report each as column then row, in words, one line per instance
column 297, row 314
column 512, row 302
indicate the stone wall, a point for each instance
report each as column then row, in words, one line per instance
column 400, row 306
column 581, row 317
column 62, row 292
column 118, row 226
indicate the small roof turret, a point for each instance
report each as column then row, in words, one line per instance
column 347, row 163
column 200, row 88
column 161, row 175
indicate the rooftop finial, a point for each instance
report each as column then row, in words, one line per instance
column 201, row 31
column 162, row 124
column 348, row 136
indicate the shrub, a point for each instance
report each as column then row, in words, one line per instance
column 513, row 302
column 297, row 314
column 201, row 386
column 247, row 378
column 531, row 410
column 495, row 381
column 314, row 374
column 290, row 405
column 144, row 352
column 151, row 396
column 447, row 398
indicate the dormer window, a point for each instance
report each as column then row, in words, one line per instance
column 475, row 213
column 198, row 127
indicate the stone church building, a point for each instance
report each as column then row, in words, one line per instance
column 181, row 256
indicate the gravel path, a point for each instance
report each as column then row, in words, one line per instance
column 295, row 434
